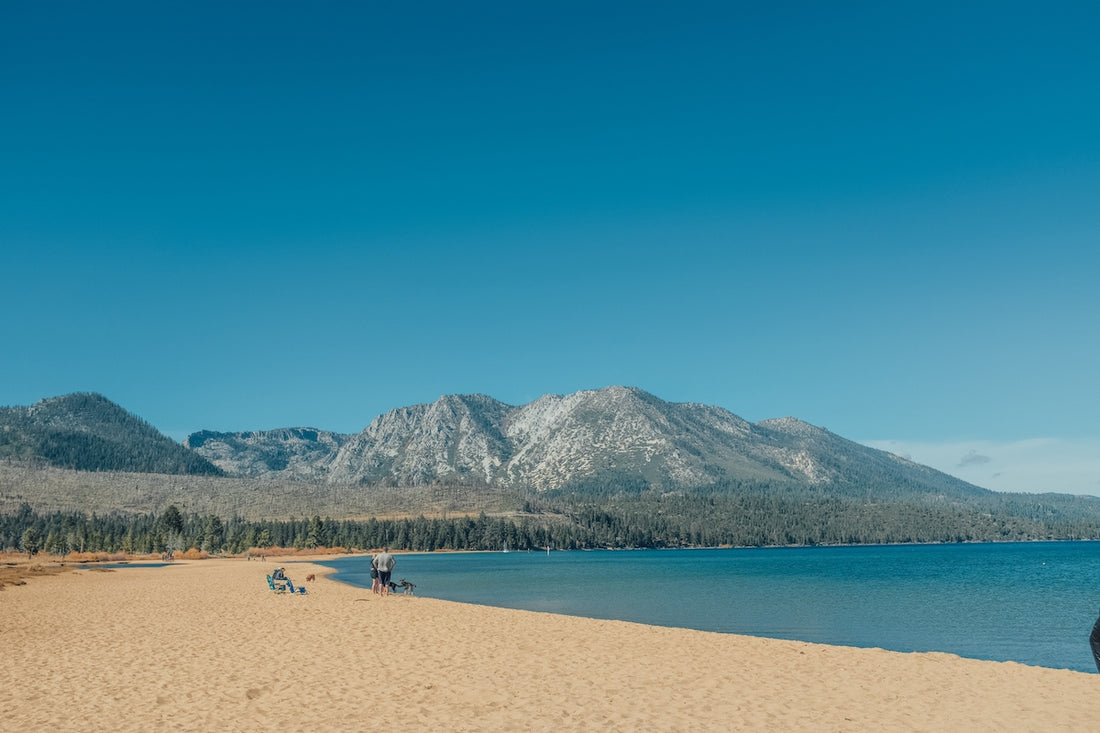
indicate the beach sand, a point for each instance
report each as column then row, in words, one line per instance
column 205, row 646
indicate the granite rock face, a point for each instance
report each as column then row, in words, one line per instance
column 298, row 453
column 611, row 437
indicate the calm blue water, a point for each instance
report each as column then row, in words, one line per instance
column 1033, row 603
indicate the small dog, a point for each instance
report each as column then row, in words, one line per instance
column 310, row 578
column 406, row 587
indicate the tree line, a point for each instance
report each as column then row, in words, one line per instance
column 563, row 522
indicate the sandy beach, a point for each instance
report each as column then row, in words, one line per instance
column 206, row 646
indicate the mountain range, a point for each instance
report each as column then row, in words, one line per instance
column 606, row 467
column 607, row 439
column 593, row 441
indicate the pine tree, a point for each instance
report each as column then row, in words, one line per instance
column 31, row 541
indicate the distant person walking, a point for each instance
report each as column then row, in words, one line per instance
column 1094, row 642
column 384, row 563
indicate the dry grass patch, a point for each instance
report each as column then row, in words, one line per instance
column 16, row 572
column 86, row 557
column 17, row 568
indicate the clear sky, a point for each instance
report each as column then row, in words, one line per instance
column 880, row 218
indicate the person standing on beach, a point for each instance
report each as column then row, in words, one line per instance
column 1094, row 642
column 373, row 576
column 384, row 562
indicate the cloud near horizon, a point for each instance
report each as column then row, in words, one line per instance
column 1034, row 465
column 973, row 458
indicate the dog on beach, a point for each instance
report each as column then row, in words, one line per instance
column 405, row 586
column 311, row 577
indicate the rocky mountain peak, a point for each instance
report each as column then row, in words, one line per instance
column 598, row 439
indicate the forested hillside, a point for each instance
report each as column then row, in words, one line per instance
column 480, row 518
column 88, row 432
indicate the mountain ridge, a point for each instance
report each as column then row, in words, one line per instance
column 602, row 440
column 612, row 436
column 614, row 467
column 86, row 431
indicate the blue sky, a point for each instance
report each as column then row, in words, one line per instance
column 881, row 218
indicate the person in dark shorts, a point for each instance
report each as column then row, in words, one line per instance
column 384, row 562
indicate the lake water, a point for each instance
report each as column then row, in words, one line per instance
column 1033, row 603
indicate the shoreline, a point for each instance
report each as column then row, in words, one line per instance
column 208, row 647
column 859, row 597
